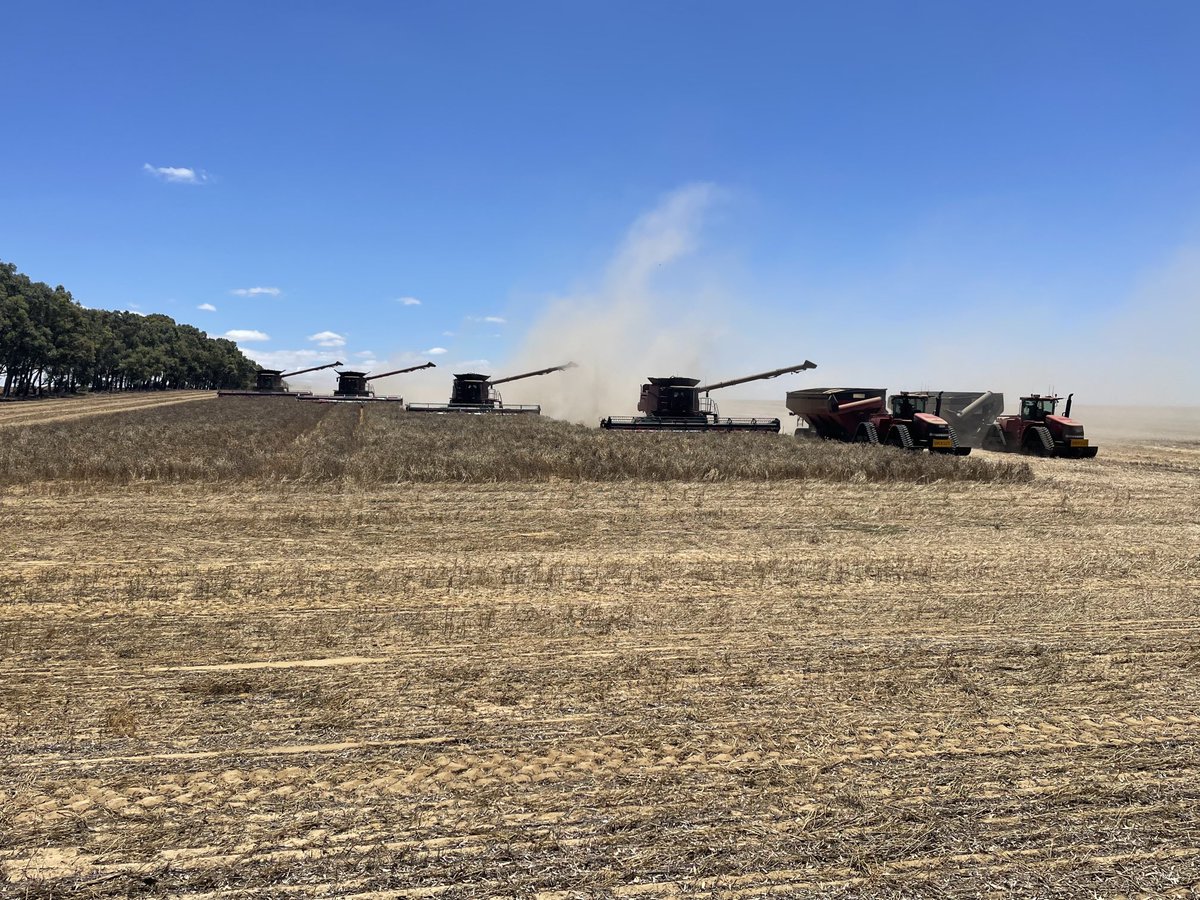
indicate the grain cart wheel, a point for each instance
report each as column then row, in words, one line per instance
column 993, row 439
column 866, row 433
column 1038, row 441
column 900, row 437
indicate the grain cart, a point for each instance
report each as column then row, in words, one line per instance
column 355, row 386
column 475, row 393
column 970, row 413
column 269, row 383
column 835, row 414
column 674, row 404
column 1039, row 431
column 860, row 415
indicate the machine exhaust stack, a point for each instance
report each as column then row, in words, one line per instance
column 1067, row 408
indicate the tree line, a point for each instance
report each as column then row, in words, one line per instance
column 51, row 344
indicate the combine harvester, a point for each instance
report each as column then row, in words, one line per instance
column 354, row 387
column 861, row 416
column 1037, row 430
column 971, row 413
column 269, row 383
column 675, row 404
column 475, row 393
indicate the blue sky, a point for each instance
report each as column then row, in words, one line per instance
column 900, row 191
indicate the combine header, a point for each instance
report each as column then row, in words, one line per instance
column 354, row 386
column 1039, row 431
column 269, row 383
column 475, row 393
column 860, row 415
column 675, row 404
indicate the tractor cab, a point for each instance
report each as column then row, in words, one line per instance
column 1037, row 407
column 906, row 406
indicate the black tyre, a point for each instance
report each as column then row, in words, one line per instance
column 866, row 433
column 993, row 439
column 900, row 437
column 1038, row 441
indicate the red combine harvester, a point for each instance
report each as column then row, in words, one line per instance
column 675, row 404
column 269, row 383
column 475, row 393
column 1039, row 431
column 860, row 415
column 355, row 387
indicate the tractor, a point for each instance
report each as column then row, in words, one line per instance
column 1038, row 431
column 906, row 424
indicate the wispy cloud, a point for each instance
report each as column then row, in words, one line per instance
column 447, row 334
column 176, row 174
column 246, row 334
column 207, row 307
column 256, row 292
column 365, row 354
column 408, row 301
column 328, row 339
column 436, row 351
column 493, row 320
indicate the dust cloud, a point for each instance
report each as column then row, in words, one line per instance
column 637, row 322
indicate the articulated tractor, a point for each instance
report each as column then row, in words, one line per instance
column 860, row 416
column 1037, row 430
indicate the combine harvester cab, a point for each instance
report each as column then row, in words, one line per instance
column 971, row 413
column 355, row 386
column 476, row 393
column 1039, row 431
column 674, row 404
column 862, row 416
column 269, row 383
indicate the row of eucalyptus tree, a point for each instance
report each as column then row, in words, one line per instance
column 51, row 344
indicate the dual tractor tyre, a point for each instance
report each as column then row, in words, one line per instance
column 900, row 437
column 866, row 433
column 993, row 439
column 1038, row 441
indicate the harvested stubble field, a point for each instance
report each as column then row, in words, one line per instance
column 350, row 659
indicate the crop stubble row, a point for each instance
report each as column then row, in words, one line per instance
column 628, row 688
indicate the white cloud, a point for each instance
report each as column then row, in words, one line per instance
column 246, row 334
column 436, row 351
column 493, row 320
column 328, row 339
column 207, row 307
column 408, row 301
column 176, row 174
column 365, row 354
column 256, row 291
column 447, row 334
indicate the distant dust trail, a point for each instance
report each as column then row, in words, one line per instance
column 628, row 327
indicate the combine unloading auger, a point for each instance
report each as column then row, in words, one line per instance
column 476, row 393
column 269, row 383
column 675, row 404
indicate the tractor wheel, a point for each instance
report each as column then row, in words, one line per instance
column 866, row 434
column 960, row 449
column 1038, row 441
column 900, row 437
column 993, row 439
